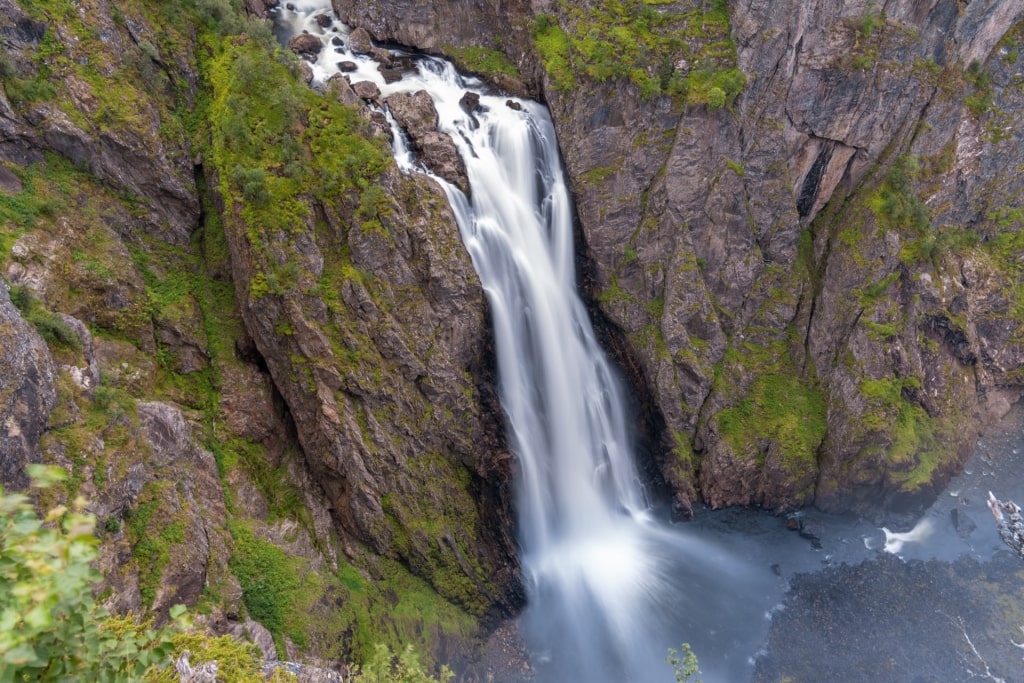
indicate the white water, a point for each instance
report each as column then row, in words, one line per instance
column 609, row 587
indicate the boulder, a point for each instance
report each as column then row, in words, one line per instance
column 359, row 41
column 415, row 113
column 305, row 44
column 366, row 90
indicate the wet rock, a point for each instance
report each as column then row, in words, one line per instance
column 305, row 44
column 416, row 114
column 381, row 56
column 513, row 105
column 339, row 87
column 1010, row 522
column 891, row 620
column 337, row 41
column 808, row 527
column 359, row 41
column 347, row 66
column 324, row 20
column 962, row 522
column 391, row 74
column 470, row 103
column 367, row 90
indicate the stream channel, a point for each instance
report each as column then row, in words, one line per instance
column 611, row 582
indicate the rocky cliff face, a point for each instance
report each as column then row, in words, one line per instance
column 813, row 260
column 262, row 356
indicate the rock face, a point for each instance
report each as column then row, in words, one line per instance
column 227, row 414
column 28, row 394
column 812, row 279
column 91, row 127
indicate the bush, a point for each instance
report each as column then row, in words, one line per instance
column 405, row 667
column 51, row 628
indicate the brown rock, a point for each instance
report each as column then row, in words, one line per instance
column 27, row 394
column 359, row 41
column 367, row 90
column 416, row 114
column 305, row 44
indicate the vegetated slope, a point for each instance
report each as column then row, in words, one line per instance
column 258, row 349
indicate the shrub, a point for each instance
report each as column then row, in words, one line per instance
column 51, row 628
column 405, row 667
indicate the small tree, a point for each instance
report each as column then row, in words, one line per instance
column 684, row 665
column 51, row 628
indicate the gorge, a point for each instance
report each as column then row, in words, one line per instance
column 261, row 349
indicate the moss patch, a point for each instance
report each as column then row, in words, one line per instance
column 687, row 53
column 781, row 407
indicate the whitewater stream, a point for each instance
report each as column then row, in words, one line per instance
column 611, row 583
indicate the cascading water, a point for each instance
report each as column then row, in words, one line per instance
column 610, row 588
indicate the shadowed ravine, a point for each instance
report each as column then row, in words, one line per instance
column 611, row 583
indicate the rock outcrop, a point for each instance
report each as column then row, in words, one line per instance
column 28, row 393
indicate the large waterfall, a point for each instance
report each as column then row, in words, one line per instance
column 610, row 588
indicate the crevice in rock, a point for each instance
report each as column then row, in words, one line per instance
column 812, row 181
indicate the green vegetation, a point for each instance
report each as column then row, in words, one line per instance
column 271, row 584
column 386, row 667
column 684, row 664
column 237, row 662
column 686, row 54
column 152, row 536
column 51, row 628
column 896, row 204
column 278, row 144
column 482, row 60
column 780, row 406
column 50, row 326
column 916, row 445
column 982, row 93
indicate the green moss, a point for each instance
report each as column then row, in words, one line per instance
column 915, row 439
column 552, row 44
column 895, row 203
column 781, row 407
column 152, row 535
column 482, row 60
column 982, row 92
column 631, row 40
column 271, row 582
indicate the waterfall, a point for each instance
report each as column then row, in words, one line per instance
column 610, row 587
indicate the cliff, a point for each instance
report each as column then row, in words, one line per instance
column 800, row 216
column 260, row 351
